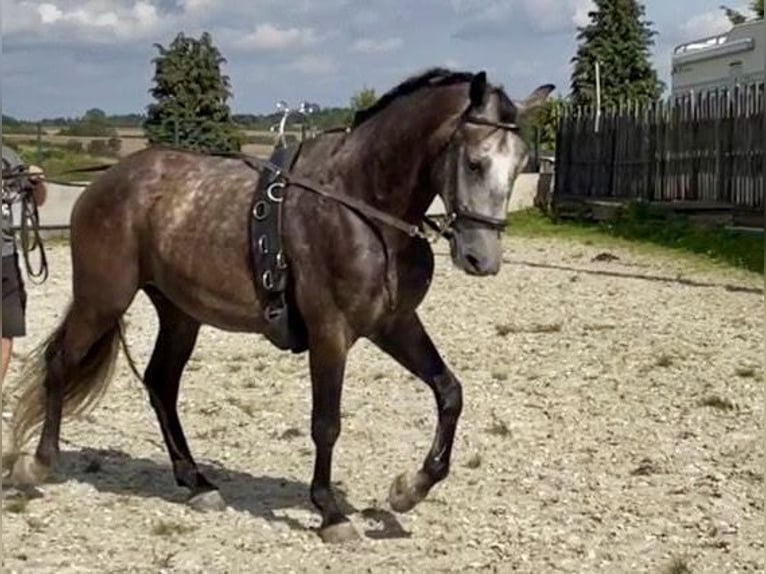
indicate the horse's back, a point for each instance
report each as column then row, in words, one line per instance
column 181, row 217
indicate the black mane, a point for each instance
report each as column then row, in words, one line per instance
column 431, row 77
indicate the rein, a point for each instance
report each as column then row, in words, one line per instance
column 30, row 223
column 29, row 230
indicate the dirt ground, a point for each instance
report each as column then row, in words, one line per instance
column 612, row 423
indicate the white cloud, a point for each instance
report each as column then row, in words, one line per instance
column 267, row 37
column 482, row 17
column 371, row 46
column 313, row 65
column 197, row 5
column 83, row 21
column 581, row 8
column 705, row 24
column 547, row 15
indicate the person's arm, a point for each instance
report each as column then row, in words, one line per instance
column 39, row 188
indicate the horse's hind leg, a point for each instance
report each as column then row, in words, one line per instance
column 175, row 343
column 407, row 341
column 70, row 373
column 73, row 367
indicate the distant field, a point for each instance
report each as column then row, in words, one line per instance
column 132, row 140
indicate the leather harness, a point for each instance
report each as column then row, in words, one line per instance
column 270, row 270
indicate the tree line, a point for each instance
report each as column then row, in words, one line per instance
column 191, row 91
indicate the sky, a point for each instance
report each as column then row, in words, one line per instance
column 63, row 57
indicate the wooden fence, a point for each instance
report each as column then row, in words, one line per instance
column 698, row 151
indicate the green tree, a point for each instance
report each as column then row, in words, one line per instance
column 191, row 93
column 94, row 123
column 541, row 127
column 734, row 16
column 619, row 37
column 737, row 17
column 364, row 98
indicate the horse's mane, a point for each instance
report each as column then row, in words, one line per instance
column 431, row 77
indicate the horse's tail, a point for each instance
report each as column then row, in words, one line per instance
column 83, row 384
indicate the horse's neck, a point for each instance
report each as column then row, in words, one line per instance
column 393, row 162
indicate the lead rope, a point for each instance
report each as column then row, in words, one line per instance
column 30, row 224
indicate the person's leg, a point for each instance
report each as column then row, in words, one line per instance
column 14, row 307
column 7, row 348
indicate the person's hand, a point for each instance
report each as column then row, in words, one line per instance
column 37, row 179
column 36, row 173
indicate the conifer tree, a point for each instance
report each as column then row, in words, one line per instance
column 191, row 93
column 619, row 37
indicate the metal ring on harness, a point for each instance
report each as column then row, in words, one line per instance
column 281, row 261
column 261, row 210
column 270, row 192
column 267, row 280
column 263, row 244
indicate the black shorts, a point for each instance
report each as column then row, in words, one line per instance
column 14, row 299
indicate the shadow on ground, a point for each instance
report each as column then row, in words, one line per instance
column 117, row 472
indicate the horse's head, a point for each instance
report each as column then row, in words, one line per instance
column 476, row 170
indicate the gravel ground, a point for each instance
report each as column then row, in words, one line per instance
column 612, row 423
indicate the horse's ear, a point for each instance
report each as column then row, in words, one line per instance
column 535, row 100
column 478, row 89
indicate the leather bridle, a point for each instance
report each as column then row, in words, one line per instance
column 455, row 211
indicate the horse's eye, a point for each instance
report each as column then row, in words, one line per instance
column 474, row 165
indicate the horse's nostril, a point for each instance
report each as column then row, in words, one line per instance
column 472, row 260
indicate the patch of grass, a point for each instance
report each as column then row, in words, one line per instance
column 291, row 433
column 246, row 408
column 641, row 225
column 664, row 360
column 17, row 504
column 505, row 329
column 167, row 528
column 746, row 372
column 678, row 566
column 646, row 467
column 163, row 561
column 500, row 375
column 474, row 462
column 716, row 402
column 498, row 427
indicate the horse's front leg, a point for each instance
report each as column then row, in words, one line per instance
column 407, row 341
column 327, row 362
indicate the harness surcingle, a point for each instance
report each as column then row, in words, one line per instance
column 270, row 269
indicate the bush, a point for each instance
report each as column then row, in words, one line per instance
column 74, row 146
column 114, row 144
column 98, row 148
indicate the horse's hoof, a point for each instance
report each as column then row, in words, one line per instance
column 404, row 494
column 28, row 470
column 26, row 492
column 210, row 500
column 8, row 460
column 338, row 533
